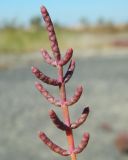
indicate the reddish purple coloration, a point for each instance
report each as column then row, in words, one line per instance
column 44, row 78
column 63, row 102
column 70, row 71
column 67, row 57
column 47, row 95
column 82, row 118
column 76, row 96
column 51, row 32
column 53, row 146
column 48, row 58
column 82, row 144
column 58, row 123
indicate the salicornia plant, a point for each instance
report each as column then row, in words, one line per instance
column 63, row 102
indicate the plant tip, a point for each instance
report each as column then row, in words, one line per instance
column 43, row 9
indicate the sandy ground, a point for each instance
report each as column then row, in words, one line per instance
column 23, row 111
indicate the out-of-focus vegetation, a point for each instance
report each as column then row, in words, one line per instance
column 20, row 39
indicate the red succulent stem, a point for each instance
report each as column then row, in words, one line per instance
column 65, row 112
column 61, row 80
column 63, row 102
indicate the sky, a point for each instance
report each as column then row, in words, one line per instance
column 67, row 12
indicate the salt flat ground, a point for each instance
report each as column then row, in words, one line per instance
column 23, row 111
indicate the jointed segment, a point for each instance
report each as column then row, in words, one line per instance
column 44, row 78
column 58, row 123
column 48, row 58
column 51, row 32
column 52, row 145
column 67, row 57
column 82, row 144
column 76, row 96
column 70, row 71
column 47, row 95
column 82, row 118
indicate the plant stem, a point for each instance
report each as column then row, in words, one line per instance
column 65, row 112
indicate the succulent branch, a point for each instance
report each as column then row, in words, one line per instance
column 81, row 119
column 47, row 95
column 58, row 123
column 67, row 57
column 52, row 145
column 44, row 78
column 63, row 102
column 48, row 58
column 70, row 71
column 82, row 144
column 76, row 96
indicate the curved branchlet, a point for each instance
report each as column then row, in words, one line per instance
column 82, row 144
column 70, row 71
column 44, row 78
column 81, row 119
column 47, row 95
column 67, row 57
column 76, row 96
column 52, row 145
column 51, row 32
column 58, row 123
column 48, row 59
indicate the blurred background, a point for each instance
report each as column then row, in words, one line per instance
column 98, row 33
